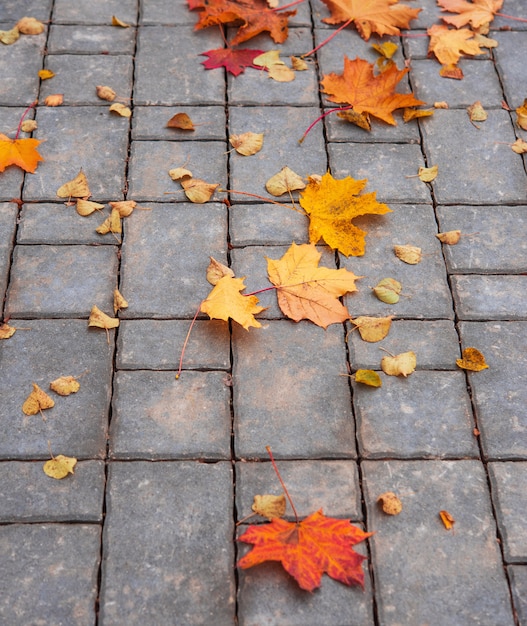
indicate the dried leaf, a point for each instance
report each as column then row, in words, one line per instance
column 368, row 377
column 59, row 466
column 65, row 385
column 298, row 64
column 105, row 93
column 269, row 506
column 75, row 188
column 519, row 146
column 386, row 49
column 8, row 37
column 447, row 519
column 179, row 172
column 86, row 207
column 30, row 26
column 118, row 302
column 235, row 61
column 409, row 254
column 373, row 329
column 450, row 237
column 387, row 290
column 400, row 365
column 472, row 360
column 267, row 59
column 98, row 319
column 441, row 105
column 28, row 126
column 198, row 190
column 112, row 224
column 117, row 22
column 120, row 109
column 412, row 114
column 248, row 143
column 181, row 121
column 428, row 174
column 225, row 301
column 285, row 181
column 20, row 152
column 54, row 100
column 124, row 207
column 37, row 401
column 217, row 270
column 476, row 112
column 45, row 74
column 6, row 331
column 390, row 503
column 281, row 73
column 362, row 120
column 477, row 13
column 521, row 115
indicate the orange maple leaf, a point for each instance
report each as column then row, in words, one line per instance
column 225, row 301
column 20, row 152
column 366, row 92
column 306, row 291
column 449, row 45
column 332, row 205
column 477, row 13
column 308, row 548
column 383, row 17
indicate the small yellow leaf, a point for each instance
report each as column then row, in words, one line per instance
column 248, row 143
column 447, row 519
column 112, row 224
column 362, row 120
column 521, row 113
column 441, row 105
column 387, row 290
column 412, row 114
column 117, row 22
column 217, row 270
column 6, row 331
column 400, row 365
column 85, row 207
column 76, row 188
column 267, row 59
column 8, row 37
column 281, row 73
column 368, row 377
column 428, row 174
column 30, row 26
column 409, row 254
column 45, row 74
column 298, row 64
column 269, row 506
column 118, row 301
column 105, row 93
column 286, row 180
column 450, row 237
column 59, row 466
column 181, row 121
column 476, row 112
column 177, row 173
column 124, row 207
column 519, row 146
column 121, row 109
column 65, row 385
column 54, row 100
column 472, row 360
column 390, row 503
column 99, row 319
column 373, row 329
column 28, row 126
column 386, row 49
column 198, row 190
column 37, row 401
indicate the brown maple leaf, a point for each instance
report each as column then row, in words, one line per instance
column 20, row 152
column 332, row 205
column 309, row 548
column 366, row 92
column 449, row 45
column 306, row 291
column 383, row 17
column 477, row 13
column 225, row 301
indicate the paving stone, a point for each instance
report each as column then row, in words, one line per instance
column 513, row 72
column 480, row 82
column 156, row 416
column 90, row 279
column 183, row 566
column 8, row 216
column 483, row 158
column 495, row 241
column 299, row 406
column 332, row 486
column 509, row 489
column 499, row 392
column 426, row 415
column 165, row 257
column 282, row 128
column 387, row 169
column 21, row 62
column 90, row 40
column 338, row 129
column 150, row 123
column 518, row 576
column 13, row 10
column 76, row 425
column 266, row 224
column 496, row 297
column 49, row 573
column 168, row 70
column 415, row 559
column 77, row 75
column 94, row 12
column 150, row 162
column 435, row 343
column 425, row 289
column 99, row 148
column 28, row 495
column 157, row 344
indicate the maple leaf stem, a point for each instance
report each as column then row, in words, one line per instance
column 321, row 117
column 33, row 104
column 178, row 373
column 268, row 448
column 512, row 17
column 286, row 6
column 253, row 195
column 328, row 39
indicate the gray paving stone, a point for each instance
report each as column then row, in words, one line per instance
column 95, row 11
column 426, row 415
column 518, row 576
column 77, row 75
column 391, row 170
column 496, row 297
column 76, row 425
column 499, row 392
column 13, row 10
column 156, row 416
column 299, row 406
column 87, row 138
column 495, row 241
column 338, row 129
column 482, row 172
column 168, row 70
column 165, row 257
column 332, row 486
column 435, row 343
column 425, row 288
column 21, row 62
column 282, row 128
column 28, row 495
column 8, row 216
column 415, row 559
column 49, row 573
column 150, row 123
column 71, row 279
column 150, row 162
column 266, row 224
column 157, row 344
column 513, row 72
column 509, row 489
column 168, row 547
column 90, row 40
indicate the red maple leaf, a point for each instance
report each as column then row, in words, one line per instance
column 308, row 548
column 234, row 61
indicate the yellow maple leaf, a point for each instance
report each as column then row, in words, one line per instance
column 20, row 152
column 306, row 291
column 332, row 205
column 225, row 301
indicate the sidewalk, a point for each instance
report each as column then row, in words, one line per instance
column 143, row 532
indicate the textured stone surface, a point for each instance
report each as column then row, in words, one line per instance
column 8, row 215
column 518, row 575
column 95, row 12
column 91, row 40
column 512, row 71
column 150, row 123
column 267, row 224
column 496, row 297
column 21, row 62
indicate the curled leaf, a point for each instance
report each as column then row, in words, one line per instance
column 177, row 173
column 400, row 365
column 99, row 319
column 30, row 26
column 450, row 237
column 112, row 224
column 362, row 120
column 45, row 74
column 472, row 360
column 269, row 506
column 217, row 270
column 285, row 181
column 298, row 64
column 412, row 114
column 387, row 290
column 37, row 401
column 368, row 377
column 181, row 121
column 409, row 254
column 105, row 93
column 197, row 190
column 476, row 112
column 124, row 207
column 86, row 207
column 28, row 126
column 121, row 109
column 54, row 100
column 117, row 22
column 390, row 503
column 519, row 146
column 65, row 385
column 118, row 301
column 373, row 329
column 75, row 188
column 8, row 37
column 59, row 466
column 521, row 115
column 248, row 143
column 447, row 519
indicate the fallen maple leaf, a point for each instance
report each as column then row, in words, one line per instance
column 234, row 61
column 308, row 548
column 449, row 45
column 225, row 301
column 367, row 92
column 20, row 152
column 306, row 291
column 332, row 204
column 384, row 17
column 477, row 13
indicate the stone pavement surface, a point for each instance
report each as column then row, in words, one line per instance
column 144, row 531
